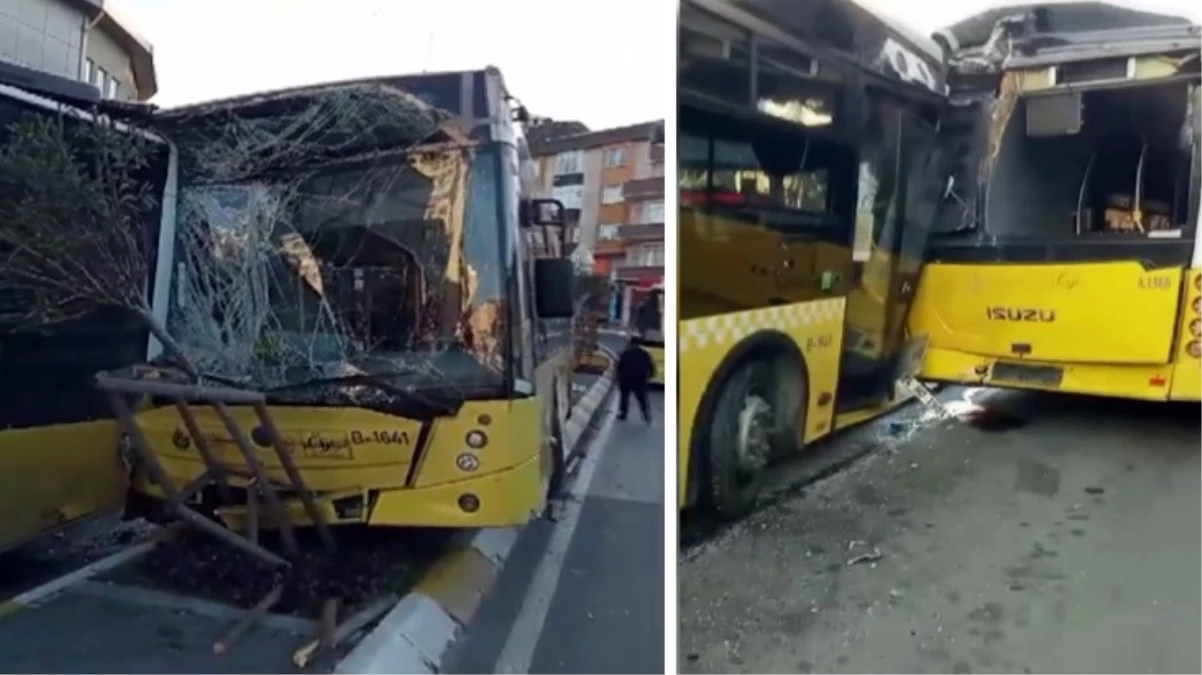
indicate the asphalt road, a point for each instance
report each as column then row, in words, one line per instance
column 1068, row 542
column 584, row 594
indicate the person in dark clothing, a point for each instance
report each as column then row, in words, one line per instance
column 635, row 370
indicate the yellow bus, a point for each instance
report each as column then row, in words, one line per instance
column 1066, row 256
column 651, row 332
column 59, row 457
column 807, row 190
column 435, row 261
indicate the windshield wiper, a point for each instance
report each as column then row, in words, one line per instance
column 405, row 402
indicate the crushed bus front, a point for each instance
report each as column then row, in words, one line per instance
column 378, row 320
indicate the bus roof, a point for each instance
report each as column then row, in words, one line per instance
column 1037, row 34
column 841, row 33
column 1055, row 18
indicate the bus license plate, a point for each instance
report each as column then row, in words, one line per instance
column 1022, row 373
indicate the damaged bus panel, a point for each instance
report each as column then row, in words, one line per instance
column 363, row 253
column 1065, row 254
column 73, row 238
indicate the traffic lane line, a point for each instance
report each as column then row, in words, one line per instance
column 619, row 483
column 606, row 613
column 50, row 588
column 518, row 652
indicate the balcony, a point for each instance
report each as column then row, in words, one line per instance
column 634, row 234
column 639, row 274
column 609, row 247
column 644, row 189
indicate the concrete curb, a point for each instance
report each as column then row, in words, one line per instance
column 413, row 635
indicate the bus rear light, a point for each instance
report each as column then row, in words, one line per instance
column 1157, row 380
column 1197, row 305
column 1195, row 328
column 1194, row 348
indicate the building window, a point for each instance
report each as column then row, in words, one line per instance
column 567, row 179
column 568, row 162
column 615, row 157
column 607, row 231
column 571, row 196
column 651, row 255
column 611, row 194
column 113, row 88
column 99, row 77
column 651, row 212
column 89, row 72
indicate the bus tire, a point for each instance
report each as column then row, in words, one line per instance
column 740, row 438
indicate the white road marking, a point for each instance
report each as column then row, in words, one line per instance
column 518, row 652
column 59, row 584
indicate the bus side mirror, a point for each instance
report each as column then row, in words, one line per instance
column 554, row 279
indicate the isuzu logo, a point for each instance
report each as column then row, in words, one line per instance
column 1021, row 314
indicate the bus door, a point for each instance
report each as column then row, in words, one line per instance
column 898, row 192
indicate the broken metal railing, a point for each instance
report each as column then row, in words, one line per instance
column 174, row 386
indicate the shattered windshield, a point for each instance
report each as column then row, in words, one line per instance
column 382, row 267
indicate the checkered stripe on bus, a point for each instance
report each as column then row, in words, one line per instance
column 727, row 329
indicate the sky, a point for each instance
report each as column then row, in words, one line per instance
column 603, row 63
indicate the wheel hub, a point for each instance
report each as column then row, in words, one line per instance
column 755, row 425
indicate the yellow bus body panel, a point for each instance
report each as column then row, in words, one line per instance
column 657, row 356
column 54, row 475
column 345, row 452
column 1071, row 313
column 1105, row 337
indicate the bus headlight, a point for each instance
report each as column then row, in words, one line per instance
column 1194, row 348
column 1195, row 327
column 476, row 439
column 1197, row 306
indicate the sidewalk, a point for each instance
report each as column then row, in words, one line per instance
column 585, row 594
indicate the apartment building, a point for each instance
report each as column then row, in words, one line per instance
column 611, row 183
column 78, row 39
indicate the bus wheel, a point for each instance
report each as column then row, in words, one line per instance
column 740, row 439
